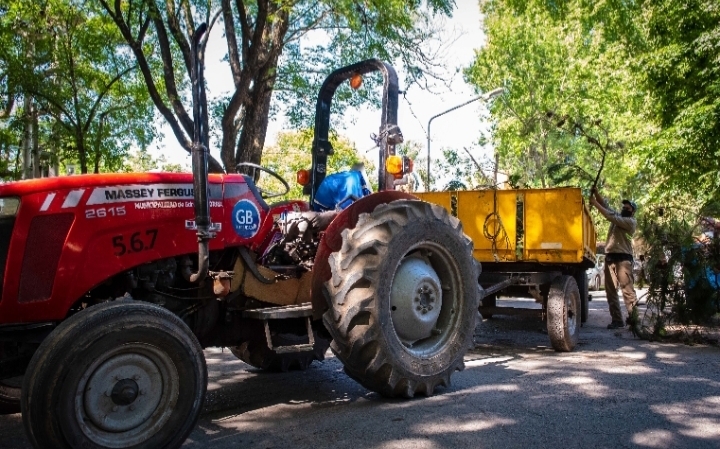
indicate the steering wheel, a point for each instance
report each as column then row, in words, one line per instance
column 255, row 168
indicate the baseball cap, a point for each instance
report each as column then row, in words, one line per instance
column 631, row 203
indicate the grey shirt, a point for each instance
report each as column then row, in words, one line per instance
column 621, row 230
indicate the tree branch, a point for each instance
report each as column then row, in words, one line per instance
column 177, row 34
column 233, row 55
column 106, row 89
column 169, row 71
column 136, row 46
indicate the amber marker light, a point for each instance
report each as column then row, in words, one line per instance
column 394, row 165
column 303, row 177
column 356, row 81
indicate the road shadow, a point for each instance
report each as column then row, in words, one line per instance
column 613, row 391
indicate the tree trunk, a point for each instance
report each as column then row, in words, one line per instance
column 27, row 172
column 82, row 154
column 254, row 131
column 37, row 173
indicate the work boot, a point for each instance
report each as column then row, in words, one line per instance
column 616, row 325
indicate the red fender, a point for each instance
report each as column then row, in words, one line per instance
column 332, row 241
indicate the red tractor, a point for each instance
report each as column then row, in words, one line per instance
column 112, row 285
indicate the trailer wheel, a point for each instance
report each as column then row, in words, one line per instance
column 582, row 283
column 256, row 353
column 117, row 375
column 403, row 298
column 563, row 313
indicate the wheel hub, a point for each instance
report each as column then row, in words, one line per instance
column 123, row 392
column 416, row 300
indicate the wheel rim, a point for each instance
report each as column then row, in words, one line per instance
column 425, row 295
column 127, row 395
column 571, row 313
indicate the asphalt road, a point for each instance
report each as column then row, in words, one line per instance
column 613, row 391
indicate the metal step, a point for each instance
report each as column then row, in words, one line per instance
column 282, row 313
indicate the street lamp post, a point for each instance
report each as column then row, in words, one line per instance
column 485, row 97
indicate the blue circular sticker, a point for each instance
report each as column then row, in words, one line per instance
column 245, row 219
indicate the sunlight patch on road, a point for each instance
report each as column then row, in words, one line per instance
column 409, row 443
column 508, row 388
column 587, row 385
column 482, row 422
column 705, row 380
column 654, row 438
column 627, row 369
column 698, row 419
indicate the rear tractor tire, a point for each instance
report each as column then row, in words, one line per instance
column 123, row 374
column 403, row 298
column 256, row 353
column 563, row 313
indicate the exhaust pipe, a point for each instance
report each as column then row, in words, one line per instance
column 200, row 156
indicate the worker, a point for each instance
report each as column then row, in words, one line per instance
column 618, row 257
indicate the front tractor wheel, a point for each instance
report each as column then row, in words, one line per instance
column 403, row 298
column 118, row 375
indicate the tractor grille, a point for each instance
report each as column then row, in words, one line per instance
column 45, row 242
column 6, row 229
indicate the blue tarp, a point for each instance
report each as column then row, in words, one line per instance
column 339, row 190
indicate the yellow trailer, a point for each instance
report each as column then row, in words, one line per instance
column 535, row 242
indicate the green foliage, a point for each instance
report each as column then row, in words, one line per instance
column 682, row 71
column 141, row 161
column 460, row 170
column 648, row 69
column 292, row 153
column 278, row 54
column 561, row 72
column 69, row 64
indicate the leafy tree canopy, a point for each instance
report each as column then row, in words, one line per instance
column 570, row 98
column 68, row 63
column 285, row 48
column 641, row 77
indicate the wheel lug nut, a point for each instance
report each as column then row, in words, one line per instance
column 417, row 299
column 419, row 307
column 430, row 307
column 424, row 311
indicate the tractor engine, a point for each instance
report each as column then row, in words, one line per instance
column 295, row 244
